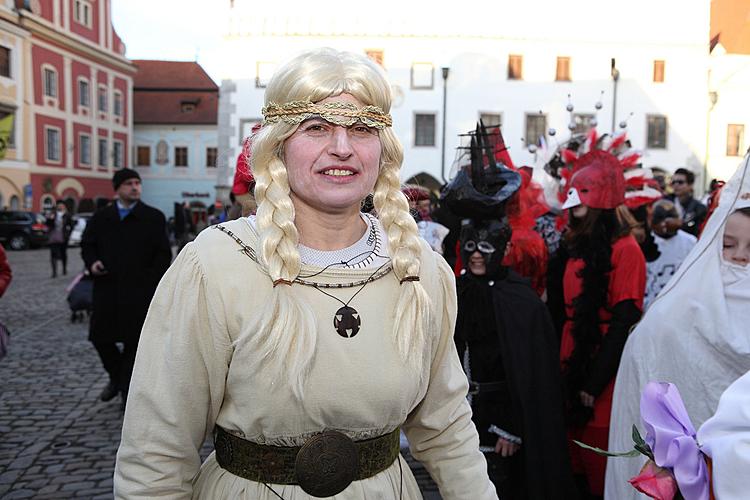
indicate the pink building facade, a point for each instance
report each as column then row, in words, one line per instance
column 80, row 88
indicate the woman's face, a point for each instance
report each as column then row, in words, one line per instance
column 332, row 168
column 580, row 211
column 736, row 245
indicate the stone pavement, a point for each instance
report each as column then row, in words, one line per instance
column 57, row 440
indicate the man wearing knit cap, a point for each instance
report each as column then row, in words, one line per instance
column 126, row 249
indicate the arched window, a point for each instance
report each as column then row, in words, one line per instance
column 15, row 203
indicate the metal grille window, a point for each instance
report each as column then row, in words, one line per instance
column 53, row 144
column 211, row 155
column 5, row 62
column 84, row 94
column 656, row 136
column 143, row 156
column 84, row 151
column 515, row 67
column 735, row 138
column 536, row 127
column 424, row 130
column 102, row 152
column 50, row 82
column 658, row 71
column 562, row 73
column 180, row 157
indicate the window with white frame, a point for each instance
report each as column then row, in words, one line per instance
column 50, row 82
column 180, row 156
column 212, row 155
column 584, row 122
column 491, row 119
column 103, row 152
column 5, row 61
column 52, row 143
column 117, row 157
column 424, row 129
column 84, row 149
column 536, row 127
column 102, row 99
column 84, row 93
column 422, row 75
column 117, row 108
column 656, row 132
column 82, row 13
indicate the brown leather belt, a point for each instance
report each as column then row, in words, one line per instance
column 323, row 467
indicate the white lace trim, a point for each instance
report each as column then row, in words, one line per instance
column 370, row 251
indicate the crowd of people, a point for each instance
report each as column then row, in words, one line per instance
column 493, row 323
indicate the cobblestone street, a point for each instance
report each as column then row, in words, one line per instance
column 57, row 440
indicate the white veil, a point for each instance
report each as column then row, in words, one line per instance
column 695, row 335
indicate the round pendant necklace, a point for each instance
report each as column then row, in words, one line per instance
column 346, row 320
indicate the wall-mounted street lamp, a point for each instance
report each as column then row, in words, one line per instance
column 615, row 78
column 446, row 71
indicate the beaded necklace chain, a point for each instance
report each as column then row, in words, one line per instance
column 346, row 320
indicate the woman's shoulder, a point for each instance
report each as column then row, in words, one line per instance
column 226, row 244
column 627, row 247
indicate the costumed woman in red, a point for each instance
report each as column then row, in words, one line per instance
column 603, row 287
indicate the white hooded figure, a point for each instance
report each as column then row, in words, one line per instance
column 725, row 438
column 695, row 335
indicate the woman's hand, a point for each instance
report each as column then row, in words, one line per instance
column 505, row 448
column 586, row 399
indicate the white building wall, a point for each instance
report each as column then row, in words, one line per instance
column 163, row 185
column 476, row 49
column 730, row 81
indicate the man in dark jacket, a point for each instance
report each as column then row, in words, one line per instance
column 690, row 210
column 60, row 225
column 126, row 249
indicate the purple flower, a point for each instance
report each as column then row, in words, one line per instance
column 671, row 436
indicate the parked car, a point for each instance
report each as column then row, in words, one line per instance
column 21, row 230
column 79, row 225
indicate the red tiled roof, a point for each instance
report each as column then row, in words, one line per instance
column 159, row 107
column 160, row 88
column 171, row 75
column 730, row 21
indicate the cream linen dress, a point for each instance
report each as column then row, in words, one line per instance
column 191, row 373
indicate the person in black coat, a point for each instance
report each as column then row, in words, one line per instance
column 125, row 247
column 60, row 225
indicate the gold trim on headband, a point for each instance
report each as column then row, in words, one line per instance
column 339, row 113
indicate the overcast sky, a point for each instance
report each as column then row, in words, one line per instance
column 179, row 30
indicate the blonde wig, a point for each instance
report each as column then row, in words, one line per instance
column 287, row 335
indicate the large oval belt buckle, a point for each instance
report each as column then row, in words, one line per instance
column 326, row 464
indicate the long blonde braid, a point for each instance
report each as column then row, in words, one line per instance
column 412, row 319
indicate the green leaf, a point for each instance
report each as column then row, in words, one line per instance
column 641, row 445
column 631, row 453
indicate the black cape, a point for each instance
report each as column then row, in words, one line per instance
column 530, row 357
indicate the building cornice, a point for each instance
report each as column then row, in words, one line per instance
column 36, row 27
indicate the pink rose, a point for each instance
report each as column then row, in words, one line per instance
column 655, row 482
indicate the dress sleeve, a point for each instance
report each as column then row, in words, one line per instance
column 177, row 386
column 440, row 431
column 628, row 278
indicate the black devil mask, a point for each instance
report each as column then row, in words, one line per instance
column 489, row 238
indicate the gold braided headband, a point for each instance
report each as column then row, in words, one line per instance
column 339, row 113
